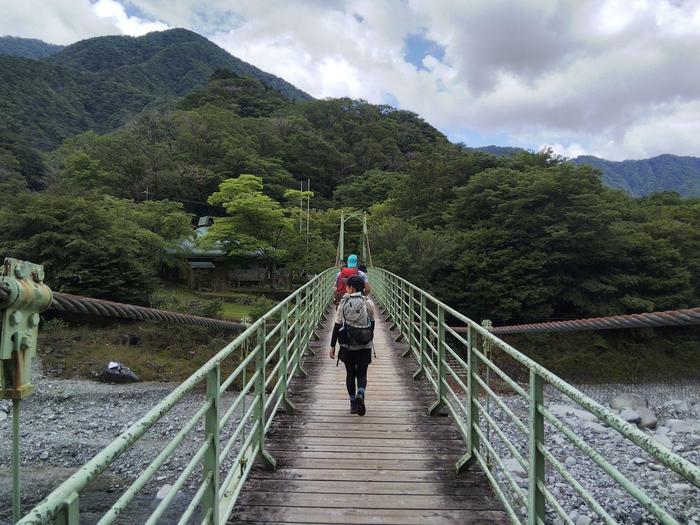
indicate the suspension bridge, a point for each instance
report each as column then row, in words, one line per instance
column 444, row 428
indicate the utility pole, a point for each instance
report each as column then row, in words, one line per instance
column 364, row 238
column 308, row 213
column 341, row 241
column 301, row 203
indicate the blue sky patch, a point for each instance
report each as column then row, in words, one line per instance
column 417, row 47
column 390, row 99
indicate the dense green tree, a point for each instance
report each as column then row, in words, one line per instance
column 104, row 248
column 255, row 224
column 372, row 187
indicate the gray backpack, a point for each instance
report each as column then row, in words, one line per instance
column 357, row 330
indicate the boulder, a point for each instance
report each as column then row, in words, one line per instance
column 630, row 416
column 628, row 401
column 513, row 467
column 648, row 418
column 163, row 491
column 678, row 405
column 684, row 426
column 664, row 440
column 117, row 373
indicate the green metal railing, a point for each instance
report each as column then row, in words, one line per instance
column 265, row 357
column 462, row 370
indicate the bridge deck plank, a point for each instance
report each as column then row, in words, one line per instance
column 395, row 465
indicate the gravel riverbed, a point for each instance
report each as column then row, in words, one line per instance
column 66, row 422
column 677, row 409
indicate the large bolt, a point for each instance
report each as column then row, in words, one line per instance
column 15, row 318
column 20, row 271
column 33, row 320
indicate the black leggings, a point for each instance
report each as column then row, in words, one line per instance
column 356, row 363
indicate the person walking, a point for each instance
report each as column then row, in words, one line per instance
column 344, row 274
column 354, row 330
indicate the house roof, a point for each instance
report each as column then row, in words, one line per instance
column 201, row 265
column 188, row 247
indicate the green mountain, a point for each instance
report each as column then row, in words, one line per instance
column 234, row 125
column 499, row 151
column 163, row 62
column 657, row 174
column 26, row 47
column 636, row 177
column 101, row 83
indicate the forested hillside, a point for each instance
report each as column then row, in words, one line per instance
column 102, row 83
column 26, row 47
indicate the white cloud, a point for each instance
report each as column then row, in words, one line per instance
column 128, row 25
column 570, row 151
column 55, row 21
column 616, row 78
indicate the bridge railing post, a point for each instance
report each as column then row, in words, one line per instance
column 473, row 386
column 284, row 357
column 536, row 500
column 423, row 342
column 210, row 500
column 261, row 415
column 70, row 511
column 441, row 368
column 298, row 335
column 409, row 314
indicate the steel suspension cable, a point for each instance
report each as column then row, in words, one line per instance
column 78, row 304
column 683, row 317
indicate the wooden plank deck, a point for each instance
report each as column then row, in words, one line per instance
column 395, row 465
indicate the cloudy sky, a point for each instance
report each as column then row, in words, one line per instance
column 614, row 78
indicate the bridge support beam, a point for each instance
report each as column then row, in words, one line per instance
column 473, row 444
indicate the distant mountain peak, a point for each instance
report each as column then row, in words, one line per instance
column 27, row 47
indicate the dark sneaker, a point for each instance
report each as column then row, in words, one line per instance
column 360, row 402
column 353, row 407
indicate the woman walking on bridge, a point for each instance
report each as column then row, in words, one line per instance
column 354, row 330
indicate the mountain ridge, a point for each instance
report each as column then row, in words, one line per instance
column 638, row 177
column 79, row 89
column 27, row 47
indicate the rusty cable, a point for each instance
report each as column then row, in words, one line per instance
column 64, row 302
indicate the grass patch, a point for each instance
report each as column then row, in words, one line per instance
column 165, row 352
column 634, row 355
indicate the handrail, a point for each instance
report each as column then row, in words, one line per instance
column 440, row 363
column 302, row 309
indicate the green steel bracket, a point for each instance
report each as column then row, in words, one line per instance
column 19, row 325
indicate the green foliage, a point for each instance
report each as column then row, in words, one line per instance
column 213, row 308
column 54, row 324
column 535, row 238
column 361, row 192
column 106, row 248
column 255, row 224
